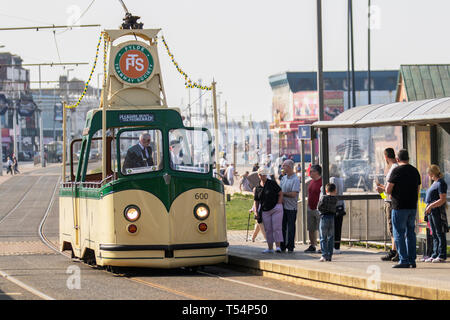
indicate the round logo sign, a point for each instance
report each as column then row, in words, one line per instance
column 133, row 63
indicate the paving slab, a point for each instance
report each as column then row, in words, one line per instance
column 355, row 267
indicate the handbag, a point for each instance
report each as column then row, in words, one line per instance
column 340, row 212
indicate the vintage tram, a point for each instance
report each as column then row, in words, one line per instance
column 138, row 187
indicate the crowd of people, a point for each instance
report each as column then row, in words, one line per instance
column 275, row 209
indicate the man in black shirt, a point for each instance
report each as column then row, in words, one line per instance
column 139, row 155
column 403, row 186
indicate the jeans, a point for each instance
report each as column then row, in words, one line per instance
column 403, row 227
column 439, row 237
column 289, row 217
column 326, row 228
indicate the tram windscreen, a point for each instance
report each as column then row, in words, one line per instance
column 189, row 150
column 141, row 151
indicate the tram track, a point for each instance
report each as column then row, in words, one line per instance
column 186, row 295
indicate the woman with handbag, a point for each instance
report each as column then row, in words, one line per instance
column 436, row 200
column 270, row 197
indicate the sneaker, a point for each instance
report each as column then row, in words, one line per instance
column 328, row 259
column 268, row 251
column 429, row 260
column 437, row 260
column 290, row 250
column 311, row 249
column 278, row 250
column 322, row 259
column 388, row 256
column 425, row 258
column 395, row 258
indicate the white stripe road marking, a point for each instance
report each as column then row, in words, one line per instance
column 26, row 287
column 260, row 287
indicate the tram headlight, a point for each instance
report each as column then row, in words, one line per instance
column 132, row 213
column 201, row 211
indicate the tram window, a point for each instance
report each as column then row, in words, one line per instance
column 189, row 150
column 141, row 151
column 94, row 160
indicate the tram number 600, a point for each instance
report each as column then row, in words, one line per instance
column 201, row 196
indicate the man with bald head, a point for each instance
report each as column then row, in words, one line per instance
column 139, row 155
column 290, row 186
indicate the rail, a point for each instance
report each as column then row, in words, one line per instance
column 367, row 218
column 88, row 184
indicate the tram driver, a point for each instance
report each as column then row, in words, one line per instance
column 139, row 155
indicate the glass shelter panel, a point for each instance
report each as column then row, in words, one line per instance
column 140, row 151
column 357, row 155
column 189, row 150
column 443, row 137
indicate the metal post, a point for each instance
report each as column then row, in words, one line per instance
column 64, row 142
column 1, row 148
column 369, row 92
column 41, row 125
column 323, row 156
column 15, row 127
column 216, row 127
column 352, row 55
column 41, row 139
column 302, row 150
column 350, row 223
column 367, row 223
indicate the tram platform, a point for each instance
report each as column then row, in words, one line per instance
column 357, row 271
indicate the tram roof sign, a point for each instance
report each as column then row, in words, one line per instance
column 393, row 114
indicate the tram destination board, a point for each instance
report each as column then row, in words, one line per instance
column 136, row 117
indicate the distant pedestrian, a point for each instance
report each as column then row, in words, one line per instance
column 15, row 164
column 403, row 186
column 270, row 197
column 436, row 200
column 9, row 166
column 255, row 167
column 290, row 185
column 327, row 212
column 313, row 199
column 244, row 183
column 389, row 156
column 225, row 176
column 230, row 174
column 340, row 207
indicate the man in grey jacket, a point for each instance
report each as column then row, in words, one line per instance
column 290, row 186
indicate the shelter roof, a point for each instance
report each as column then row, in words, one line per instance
column 426, row 81
column 428, row 111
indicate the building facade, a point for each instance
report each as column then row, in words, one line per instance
column 295, row 101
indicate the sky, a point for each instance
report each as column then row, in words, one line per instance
column 239, row 44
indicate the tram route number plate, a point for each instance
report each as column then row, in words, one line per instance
column 136, row 117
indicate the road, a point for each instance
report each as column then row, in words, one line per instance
column 29, row 270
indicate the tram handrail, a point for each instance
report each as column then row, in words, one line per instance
column 89, row 184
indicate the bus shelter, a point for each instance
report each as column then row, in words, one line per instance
column 356, row 140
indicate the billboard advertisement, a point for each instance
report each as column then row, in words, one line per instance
column 281, row 104
column 306, row 105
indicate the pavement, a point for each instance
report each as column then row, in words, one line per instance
column 356, row 270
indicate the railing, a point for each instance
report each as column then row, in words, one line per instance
column 87, row 184
column 365, row 220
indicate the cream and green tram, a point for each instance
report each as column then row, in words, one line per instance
column 157, row 207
